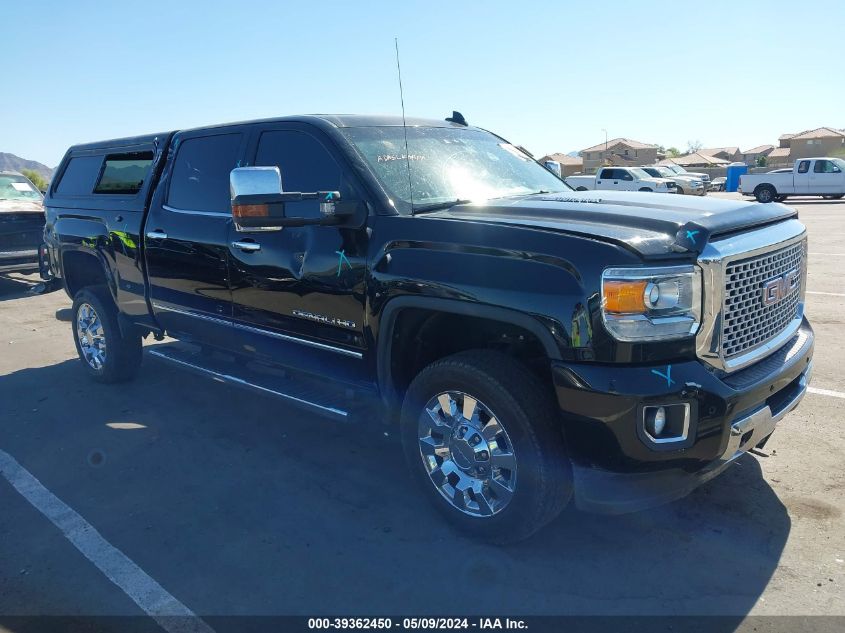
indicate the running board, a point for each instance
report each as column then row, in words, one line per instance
column 286, row 389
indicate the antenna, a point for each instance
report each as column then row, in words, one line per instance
column 404, row 126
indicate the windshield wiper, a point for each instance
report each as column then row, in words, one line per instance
column 435, row 206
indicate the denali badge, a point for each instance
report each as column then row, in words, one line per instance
column 322, row 318
column 778, row 288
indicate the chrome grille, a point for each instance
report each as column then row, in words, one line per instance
column 748, row 323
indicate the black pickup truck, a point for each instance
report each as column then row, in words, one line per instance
column 531, row 345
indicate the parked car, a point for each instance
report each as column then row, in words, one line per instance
column 690, row 185
column 21, row 223
column 531, row 345
column 718, row 184
column 680, row 171
column 823, row 177
column 621, row 179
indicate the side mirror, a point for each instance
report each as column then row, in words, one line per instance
column 259, row 204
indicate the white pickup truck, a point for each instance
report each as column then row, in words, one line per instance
column 622, row 179
column 823, row 177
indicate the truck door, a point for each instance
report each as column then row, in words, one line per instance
column 298, row 293
column 801, row 177
column 186, row 235
column 626, row 180
column 826, row 177
column 607, row 179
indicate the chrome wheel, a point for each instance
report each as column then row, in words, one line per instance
column 467, row 453
column 91, row 337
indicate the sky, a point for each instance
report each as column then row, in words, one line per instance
column 550, row 76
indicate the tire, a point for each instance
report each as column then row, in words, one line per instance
column 645, row 189
column 837, row 196
column 679, row 190
column 765, row 193
column 514, row 502
column 107, row 354
column 580, row 189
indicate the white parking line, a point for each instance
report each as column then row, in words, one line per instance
column 826, row 392
column 829, row 294
column 171, row 615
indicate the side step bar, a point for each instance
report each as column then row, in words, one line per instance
column 290, row 392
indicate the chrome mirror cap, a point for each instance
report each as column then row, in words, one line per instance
column 251, row 181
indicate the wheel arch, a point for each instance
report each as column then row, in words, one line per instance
column 440, row 307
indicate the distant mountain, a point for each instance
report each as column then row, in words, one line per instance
column 10, row 162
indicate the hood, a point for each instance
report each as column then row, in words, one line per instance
column 650, row 224
column 21, row 206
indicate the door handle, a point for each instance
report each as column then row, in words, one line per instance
column 247, row 247
column 158, row 234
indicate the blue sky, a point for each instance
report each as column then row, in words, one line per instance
column 547, row 75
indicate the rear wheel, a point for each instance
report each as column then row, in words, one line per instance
column 107, row 354
column 645, row 189
column 483, row 440
column 765, row 193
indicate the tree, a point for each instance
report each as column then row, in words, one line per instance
column 693, row 146
column 673, row 152
column 762, row 161
column 36, row 179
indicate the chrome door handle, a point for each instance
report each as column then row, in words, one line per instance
column 247, row 247
column 157, row 235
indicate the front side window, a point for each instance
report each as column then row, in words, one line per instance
column 124, row 173
column 447, row 164
column 305, row 164
column 200, row 177
column 825, row 167
column 803, row 166
column 18, row 188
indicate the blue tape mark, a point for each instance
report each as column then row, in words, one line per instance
column 667, row 375
column 691, row 236
column 342, row 258
column 329, row 197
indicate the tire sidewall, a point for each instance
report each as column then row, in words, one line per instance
column 525, row 445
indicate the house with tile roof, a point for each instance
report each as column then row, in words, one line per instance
column 618, row 151
column 750, row 156
column 823, row 141
column 569, row 165
column 730, row 154
column 696, row 159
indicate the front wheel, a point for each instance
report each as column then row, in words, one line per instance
column 483, row 440
column 837, row 196
column 107, row 354
column 581, row 189
column 645, row 189
column 679, row 190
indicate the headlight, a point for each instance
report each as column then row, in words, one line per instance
column 645, row 304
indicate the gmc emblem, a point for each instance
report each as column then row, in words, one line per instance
column 780, row 287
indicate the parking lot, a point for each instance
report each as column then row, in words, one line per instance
column 229, row 503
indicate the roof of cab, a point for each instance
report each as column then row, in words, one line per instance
column 331, row 120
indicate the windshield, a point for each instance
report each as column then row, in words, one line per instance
column 13, row 187
column 448, row 164
column 839, row 163
column 640, row 173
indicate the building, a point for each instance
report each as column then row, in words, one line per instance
column 750, row 156
column 569, row 165
column 618, row 151
column 823, row 141
column 730, row 154
column 696, row 159
column 778, row 157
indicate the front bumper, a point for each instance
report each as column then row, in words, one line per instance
column 616, row 471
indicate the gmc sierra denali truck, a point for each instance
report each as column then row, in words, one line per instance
column 530, row 344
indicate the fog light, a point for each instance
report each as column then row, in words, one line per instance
column 659, row 422
column 665, row 424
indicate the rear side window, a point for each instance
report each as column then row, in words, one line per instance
column 200, row 178
column 79, row 176
column 124, row 173
column 607, row 174
column 803, row 166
